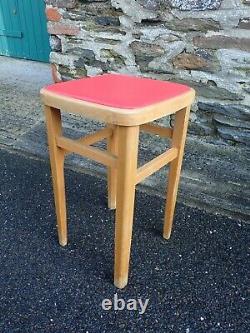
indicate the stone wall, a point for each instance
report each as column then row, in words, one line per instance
column 204, row 43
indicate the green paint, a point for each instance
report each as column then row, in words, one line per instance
column 23, row 31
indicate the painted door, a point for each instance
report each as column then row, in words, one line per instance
column 23, row 31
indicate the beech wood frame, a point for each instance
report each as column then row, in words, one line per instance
column 121, row 161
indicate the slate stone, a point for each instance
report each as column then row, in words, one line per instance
column 112, row 56
column 212, row 91
column 238, row 135
column 60, row 28
column 182, row 4
column 238, row 111
column 62, row 3
column 107, row 20
column 145, row 53
column 222, row 42
column 244, row 23
column 151, row 4
column 55, row 43
column 246, row 87
column 201, row 60
column 232, row 122
column 200, row 128
column 195, row 4
column 192, row 24
column 87, row 57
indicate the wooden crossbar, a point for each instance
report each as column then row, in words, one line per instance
column 164, row 132
column 92, row 138
column 155, row 164
column 93, row 153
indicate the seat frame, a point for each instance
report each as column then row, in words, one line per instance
column 122, row 135
column 118, row 116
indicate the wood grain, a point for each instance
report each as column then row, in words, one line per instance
column 112, row 148
column 54, row 129
column 128, row 138
column 178, row 142
column 156, row 164
column 93, row 153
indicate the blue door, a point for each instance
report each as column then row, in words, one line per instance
column 23, row 31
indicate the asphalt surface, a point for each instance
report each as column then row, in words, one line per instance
column 195, row 282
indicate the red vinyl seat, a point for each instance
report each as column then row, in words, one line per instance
column 119, row 91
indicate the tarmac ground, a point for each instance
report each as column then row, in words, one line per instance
column 195, row 282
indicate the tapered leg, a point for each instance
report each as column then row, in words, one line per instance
column 178, row 141
column 112, row 146
column 54, row 129
column 128, row 138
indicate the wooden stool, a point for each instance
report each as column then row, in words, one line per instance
column 127, row 104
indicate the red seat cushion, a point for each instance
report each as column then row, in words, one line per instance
column 119, row 91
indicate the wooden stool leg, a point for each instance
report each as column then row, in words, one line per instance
column 112, row 172
column 178, row 141
column 128, row 138
column 54, row 129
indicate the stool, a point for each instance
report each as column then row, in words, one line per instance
column 126, row 104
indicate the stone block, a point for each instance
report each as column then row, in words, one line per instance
column 143, row 48
column 211, row 91
column 134, row 10
column 244, row 23
column 232, row 122
column 107, row 20
column 151, row 4
column 238, row 111
column 193, row 24
column 246, row 87
column 112, row 57
column 62, row 3
column 236, row 135
column 189, row 61
column 200, row 128
column 58, row 28
column 195, row 4
column 86, row 57
column 53, row 14
column 92, row 10
column 201, row 60
column 236, row 63
column 222, row 42
column 55, row 43
column 145, row 53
